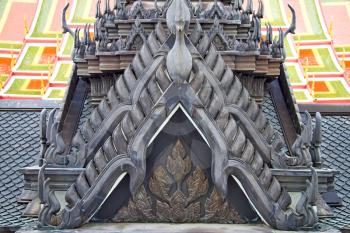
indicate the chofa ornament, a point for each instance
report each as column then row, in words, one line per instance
column 179, row 59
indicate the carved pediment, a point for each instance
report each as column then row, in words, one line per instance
column 243, row 144
column 138, row 11
column 137, row 37
column 218, row 36
column 178, row 191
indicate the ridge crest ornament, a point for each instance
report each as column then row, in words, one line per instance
column 179, row 59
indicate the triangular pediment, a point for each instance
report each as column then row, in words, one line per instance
column 113, row 158
column 158, row 83
column 177, row 177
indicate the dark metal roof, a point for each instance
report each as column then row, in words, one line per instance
column 336, row 154
column 19, row 147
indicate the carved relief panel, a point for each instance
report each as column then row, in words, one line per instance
column 178, row 191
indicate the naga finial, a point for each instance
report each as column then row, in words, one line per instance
column 292, row 26
column 107, row 7
column 116, row 5
column 269, row 34
column 179, row 59
column 98, row 10
column 65, row 26
column 249, row 8
column 260, row 13
column 87, row 34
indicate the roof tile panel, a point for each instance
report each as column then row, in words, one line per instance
column 336, row 154
column 20, row 144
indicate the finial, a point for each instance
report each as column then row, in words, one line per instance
column 260, row 13
column 178, row 13
column 115, row 7
column 255, row 34
column 98, row 9
column 108, row 9
column 281, row 43
column 237, row 4
column 258, row 25
column 292, row 26
column 179, row 59
column 96, row 32
column 87, row 34
column 77, row 38
column 249, row 8
column 280, row 38
column 269, row 33
column 64, row 21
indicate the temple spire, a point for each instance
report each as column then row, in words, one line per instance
column 98, row 9
column 107, row 9
column 179, row 59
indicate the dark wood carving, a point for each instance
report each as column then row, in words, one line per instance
column 178, row 192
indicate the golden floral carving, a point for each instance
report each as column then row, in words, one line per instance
column 217, row 210
column 177, row 192
column 197, row 185
column 138, row 208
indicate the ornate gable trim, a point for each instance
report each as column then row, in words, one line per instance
column 124, row 123
column 136, row 31
column 124, row 152
column 218, row 31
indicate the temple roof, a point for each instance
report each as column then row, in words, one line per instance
column 336, row 151
column 167, row 72
column 114, row 139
